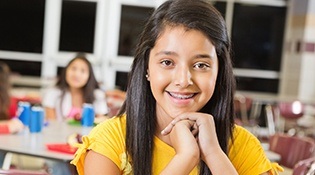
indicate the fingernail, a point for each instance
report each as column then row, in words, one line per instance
column 162, row 132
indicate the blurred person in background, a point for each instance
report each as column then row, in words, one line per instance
column 8, row 104
column 76, row 85
column 8, row 107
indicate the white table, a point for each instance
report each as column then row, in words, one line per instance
column 272, row 156
column 34, row 144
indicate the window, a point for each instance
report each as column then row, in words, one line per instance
column 22, row 24
column 77, row 27
column 121, row 80
column 257, row 84
column 29, row 68
column 132, row 22
column 257, row 35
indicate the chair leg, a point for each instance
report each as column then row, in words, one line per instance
column 270, row 120
column 255, row 111
column 7, row 161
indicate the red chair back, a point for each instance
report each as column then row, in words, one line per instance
column 291, row 110
column 292, row 148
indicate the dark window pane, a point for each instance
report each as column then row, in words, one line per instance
column 29, row 68
column 132, row 22
column 22, row 25
column 121, row 80
column 257, row 84
column 77, row 26
column 257, row 36
column 59, row 71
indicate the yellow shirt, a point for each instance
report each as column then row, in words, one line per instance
column 108, row 139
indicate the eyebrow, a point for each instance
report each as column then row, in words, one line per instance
column 175, row 54
column 166, row 53
column 204, row 56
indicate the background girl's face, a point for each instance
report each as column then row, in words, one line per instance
column 77, row 74
column 183, row 68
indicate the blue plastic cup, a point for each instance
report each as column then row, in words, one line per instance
column 88, row 115
column 36, row 120
column 24, row 112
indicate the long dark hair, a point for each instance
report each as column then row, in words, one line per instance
column 4, row 91
column 88, row 88
column 140, row 104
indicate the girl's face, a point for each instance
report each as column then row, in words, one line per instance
column 183, row 68
column 77, row 74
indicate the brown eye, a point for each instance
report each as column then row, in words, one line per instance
column 166, row 62
column 202, row 66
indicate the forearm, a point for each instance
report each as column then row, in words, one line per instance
column 219, row 163
column 180, row 165
column 50, row 113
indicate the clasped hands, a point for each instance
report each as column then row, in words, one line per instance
column 193, row 133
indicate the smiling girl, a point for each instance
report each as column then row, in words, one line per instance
column 178, row 115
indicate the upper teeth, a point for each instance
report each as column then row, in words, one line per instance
column 181, row 96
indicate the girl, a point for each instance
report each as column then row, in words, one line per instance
column 8, row 107
column 8, row 104
column 77, row 85
column 178, row 114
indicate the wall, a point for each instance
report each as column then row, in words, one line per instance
column 298, row 69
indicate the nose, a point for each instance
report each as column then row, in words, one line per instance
column 183, row 77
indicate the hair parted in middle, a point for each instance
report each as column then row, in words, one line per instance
column 140, row 104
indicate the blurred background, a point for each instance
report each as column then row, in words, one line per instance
column 273, row 54
column 273, row 41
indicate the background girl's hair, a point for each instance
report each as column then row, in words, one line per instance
column 88, row 88
column 140, row 104
column 4, row 91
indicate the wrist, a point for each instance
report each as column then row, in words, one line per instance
column 212, row 154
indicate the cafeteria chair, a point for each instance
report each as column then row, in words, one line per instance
column 242, row 106
column 305, row 167
column 290, row 112
column 282, row 117
column 292, row 149
column 271, row 119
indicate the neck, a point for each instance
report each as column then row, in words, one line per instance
column 75, row 90
column 77, row 97
column 162, row 121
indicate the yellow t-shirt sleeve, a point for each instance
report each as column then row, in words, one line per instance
column 107, row 139
column 247, row 154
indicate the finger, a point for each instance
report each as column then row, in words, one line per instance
column 194, row 129
column 167, row 129
column 187, row 116
column 195, row 132
column 184, row 116
column 170, row 126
